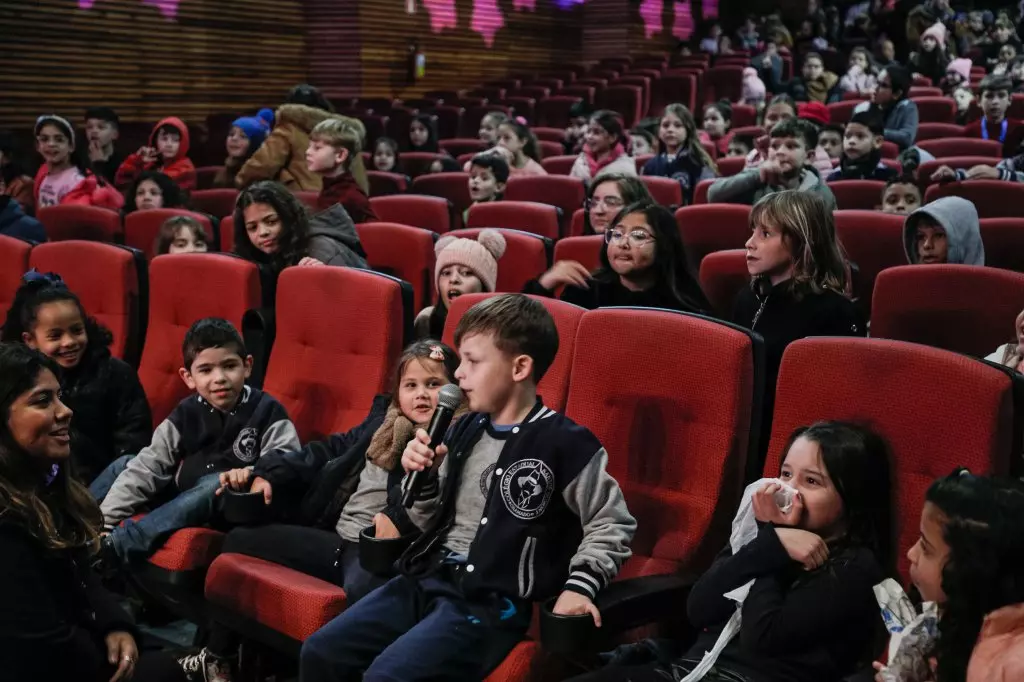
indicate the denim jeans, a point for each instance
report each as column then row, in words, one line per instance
column 193, row 507
column 102, row 484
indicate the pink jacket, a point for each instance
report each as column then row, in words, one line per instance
column 999, row 654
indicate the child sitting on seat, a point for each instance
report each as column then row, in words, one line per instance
column 1012, row 354
column 423, row 134
column 488, row 132
column 181, row 234
column 830, row 138
column 464, row 266
column 860, row 78
column 151, row 190
column 945, row 231
column 515, row 136
column 113, row 416
column 524, row 492
column 995, row 125
column 488, row 174
column 681, row 156
column 245, row 137
column 223, row 426
column 901, row 195
column 604, row 149
column 862, row 150
column 333, row 144
column 102, row 128
column 167, row 152
column 716, row 124
column 386, row 155
column 64, row 177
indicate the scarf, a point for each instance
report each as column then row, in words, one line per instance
column 862, row 168
column 817, row 90
column 394, row 434
column 597, row 164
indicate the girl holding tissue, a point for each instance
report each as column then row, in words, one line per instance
column 806, row 550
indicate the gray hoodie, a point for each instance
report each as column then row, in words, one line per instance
column 959, row 218
column 747, row 188
column 333, row 239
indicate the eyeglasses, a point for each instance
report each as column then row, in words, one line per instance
column 637, row 238
column 883, row 84
column 609, row 202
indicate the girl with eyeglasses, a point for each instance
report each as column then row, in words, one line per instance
column 643, row 264
column 607, row 196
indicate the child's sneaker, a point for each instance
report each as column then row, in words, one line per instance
column 206, row 667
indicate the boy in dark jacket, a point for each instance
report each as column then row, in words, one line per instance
column 333, row 144
column 13, row 221
column 521, row 510
column 995, row 125
column 862, row 150
column 226, row 425
column 101, row 130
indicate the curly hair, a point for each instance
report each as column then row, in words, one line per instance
column 169, row 190
column 984, row 529
column 294, row 238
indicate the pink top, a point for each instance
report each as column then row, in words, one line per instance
column 56, row 185
column 531, row 168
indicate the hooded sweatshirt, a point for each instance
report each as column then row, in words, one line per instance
column 14, row 222
column 747, row 188
column 333, row 239
column 959, row 218
column 180, row 168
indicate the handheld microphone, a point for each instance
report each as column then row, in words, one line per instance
column 448, row 400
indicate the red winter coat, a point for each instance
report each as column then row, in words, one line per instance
column 89, row 192
column 344, row 190
column 181, row 169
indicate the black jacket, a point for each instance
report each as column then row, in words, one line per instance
column 54, row 613
column 111, row 414
column 14, row 222
column 868, row 168
column 611, row 293
column 796, row 626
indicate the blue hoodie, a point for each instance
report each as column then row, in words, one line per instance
column 14, row 222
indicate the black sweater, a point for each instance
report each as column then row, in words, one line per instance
column 55, row 613
column 611, row 293
column 796, row 626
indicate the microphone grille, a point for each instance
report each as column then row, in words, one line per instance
column 450, row 396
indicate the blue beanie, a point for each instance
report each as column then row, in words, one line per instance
column 256, row 127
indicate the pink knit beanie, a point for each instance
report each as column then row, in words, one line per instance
column 937, row 31
column 480, row 255
column 961, row 67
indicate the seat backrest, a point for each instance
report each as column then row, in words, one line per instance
column 527, row 256
column 992, row 198
column 87, row 223
column 712, row 227
column 451, row 186
column 383, row 184
column 330, row 358
column 415, row 164
column 417, row 210
column 561, row 191
column 677, row 450
column 526, row 216
column 963, row 308
column 584, row 249
column 1004, row 242
column 403, row 251
column 215, row 202
column 700, row 192
column 179, row 294
column 558, row 165
column 840, row 112
column 106, row 279
column 863, row 195
column 731, row 165
column 723, row 82
column 457, row 146
column 13, row 264
column 666, row 191
column 938, row 131
column 962, row 146
column 723, row 274
column 935, row 109
column 141, row 228
column 928, row 168
column 889, row 386
column 579, row 222
column 873, row 241
column 554, row 385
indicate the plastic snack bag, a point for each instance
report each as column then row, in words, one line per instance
column 911, row 635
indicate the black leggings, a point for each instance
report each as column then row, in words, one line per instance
column 655, row 672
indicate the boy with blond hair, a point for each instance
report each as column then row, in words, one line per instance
column 333, row 144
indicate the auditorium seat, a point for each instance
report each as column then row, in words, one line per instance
column 330, row 358
column 528, row 216
column 451, row 186
column 585, row 250
column 963, row 146
column 723, row 274
column 548, row 148
column 179, row 294
column 992, row 198
column 1004, row 242
column 383, row 184
column 227, row 234
column 523, row 106
column 963, row 308
column 308, row 198
column 729, row 166
column 405, row 252
column 558, row 165
column 141, row 228
column 215, row 202
column 840, row 112
column 700, row 192
column 86, row 223
column 723, row 82
column 428, row 213
column 205, row 175
column 565, row 193
column 928, row 168
column 527, row 256
column 863, row 195
column 675, row 87
column 449, row 119
column 712, row 227
column 935, row 109
column 457, row 146
column 554, row 386
column 873, row 241
column 108, row 279
column 889, row 385
column 14, row 255
column 938, row 131
column 415, row 164
column 666, row 191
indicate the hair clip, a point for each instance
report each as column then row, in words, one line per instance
column 520, row 120
column 437, row 353
column 51, row 278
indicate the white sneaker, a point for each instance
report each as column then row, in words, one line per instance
column 206, row 667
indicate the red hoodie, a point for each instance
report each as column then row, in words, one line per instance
column 180, row 169
column 89, row 192
column 344, row 190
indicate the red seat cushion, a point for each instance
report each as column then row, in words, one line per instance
column 292, row 603
column 188, row 549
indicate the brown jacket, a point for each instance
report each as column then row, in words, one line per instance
column 283, row 154
column 999, row 654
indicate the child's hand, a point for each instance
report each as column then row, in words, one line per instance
column 878, row 671
column 943, row 174
column 262, row 485
column 418, row 455
column 575, row 604
column 803, row 547
column 308, row 262
column 771, row 173
column 236, row 479
column 384, row 527
column 565, row 272
column 96, row 151
column 982, row 172
column 766, row 510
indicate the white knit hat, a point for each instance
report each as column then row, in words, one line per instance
column 480, row 255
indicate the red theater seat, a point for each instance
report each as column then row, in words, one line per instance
column 554, row 386
column 415, row 164
column 938, row 131
column 458, row 146
column 840, row 112
column 928, row 168
column 563, row 192
column 729, row 166
column 712, row 227
column 585, row 250
column 13, row 264
column 186, row 554
column 873, row 241
column 308, row 198
column 106, row 279
column 723, row 82
column 863, row 195
column 963, row 146
column 1004, row 243
column 429, row 213
column 889, row 385
column 142, row 228
column 700, row 192
column 403, row 251
column 383, row 184
column 558, row 165
column 87, row 223
column 527, row 216
column 579, row 219
column 666, row 191
column 935, row 109
column 527, row 256
column 553, row 111
column 963, row 308
column 451, row 186
column 179, row 294
column 723, row 274
column 330, row 357
column 992, row 198
column 626, row 100
column 205, row 175
column 215, row 202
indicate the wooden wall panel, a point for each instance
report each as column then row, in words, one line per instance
column 202, row 56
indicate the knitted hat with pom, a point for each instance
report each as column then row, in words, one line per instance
column 937, row 31
column 480, row 255
column 256, row 127
column 961, row 67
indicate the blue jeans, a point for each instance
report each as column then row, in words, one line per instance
column 102, row 484
column 193, row 507
column 414, row 629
